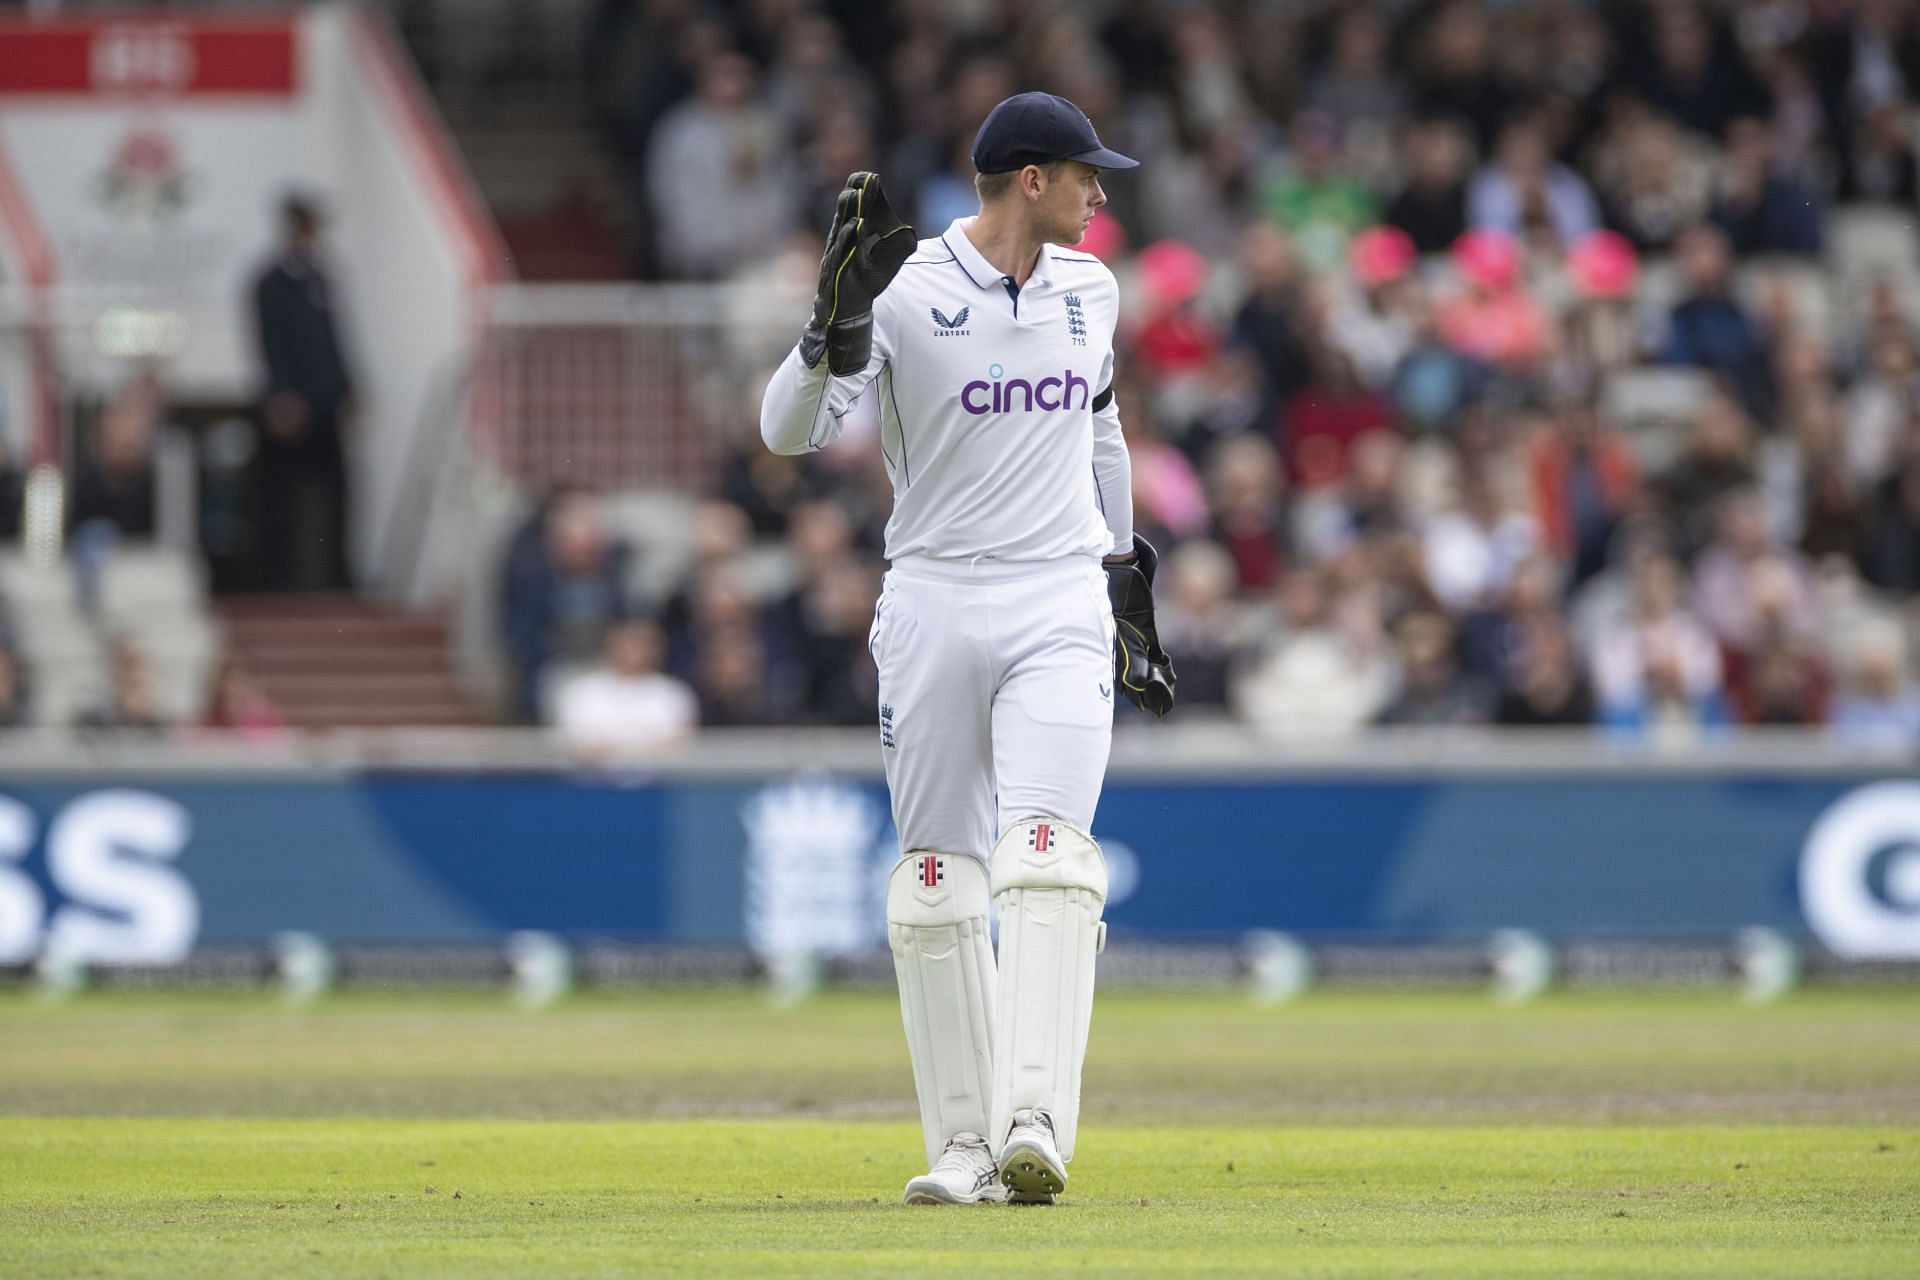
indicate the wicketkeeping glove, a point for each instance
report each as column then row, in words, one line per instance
column 865, row 247
column 1141, row 667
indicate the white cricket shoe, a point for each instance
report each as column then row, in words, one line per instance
column 964, row 1174
column 1030, row 1162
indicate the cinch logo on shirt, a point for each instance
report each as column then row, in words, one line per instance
column 998, row 393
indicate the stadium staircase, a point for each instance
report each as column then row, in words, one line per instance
column 336, row 661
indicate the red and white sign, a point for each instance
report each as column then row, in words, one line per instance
column 149, row 57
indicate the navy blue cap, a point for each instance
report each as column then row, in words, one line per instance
column 1036, row 128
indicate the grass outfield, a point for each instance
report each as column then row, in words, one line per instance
column 695, row 1134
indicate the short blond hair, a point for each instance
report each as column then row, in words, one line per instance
column 991, row 186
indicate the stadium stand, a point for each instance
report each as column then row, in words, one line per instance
column 1454, row 329
column 1746, row 333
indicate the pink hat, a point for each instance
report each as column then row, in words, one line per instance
column 1487, row 258
column 1172, row 272
column 1603, row 264
column 1380, row 255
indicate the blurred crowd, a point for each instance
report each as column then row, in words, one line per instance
column 1482, row 363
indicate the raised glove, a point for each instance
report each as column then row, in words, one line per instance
column 1141, row 667
column 865, row 247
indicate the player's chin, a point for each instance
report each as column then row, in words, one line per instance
column 1073, row 234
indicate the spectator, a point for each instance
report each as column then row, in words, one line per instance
column 1323, row 421
column 1207, row 197
column 1177, row 339
column 1272, row 320
column 1880, row 705
column 1365, row 506
column 1881, row 164
column 564, row 586
column 1657, row 668
column 1375, row 324
column 1433, row 693
column 1473, row 549
column 843, row 143
column 1694, row 75
column 1455, row 76
column 814, row 86
column 1246, row 490
column 717, row 603
column 1740, row 575
column 767, row 486
column 1655, row 180
column 308, row 409
column 130, row 704
column 1438, row 381
column 13, row 492
column 113, row 486
column 1232, row 400
column 1892, row 556
column 15, row 704
column 1835, row 517
column 1549, row 690
column 1199, row 619
column 1312, row 681
column 838, row 684
column 1666, row 709
column 625, row 708
column 1881, row 405
column 1779, row 682
column 1708, row 329
column 1356, row 87
column 718, row 180
column 1585, row 479
column 1167, row 493
column 1315, row 199
column 1432, row 207
column 1761, row 208
column 1717, row 459
column 1208, row 89
column 730, row 680
column 237, row 703
column 1493, row 639
column 1525, row 194
column 821, row 624
column 113, row 493
column 1495, row 319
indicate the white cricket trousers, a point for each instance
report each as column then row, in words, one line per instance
column 996, row 696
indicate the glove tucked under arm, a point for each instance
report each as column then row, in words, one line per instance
column 1141, row 667
column 865, row 247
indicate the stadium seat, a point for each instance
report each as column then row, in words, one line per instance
column 1808, row 287
column 658, row 525
column 1875, row 239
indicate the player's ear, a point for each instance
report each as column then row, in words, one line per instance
column 1033, row 182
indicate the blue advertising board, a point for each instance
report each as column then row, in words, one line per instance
column 143, row 867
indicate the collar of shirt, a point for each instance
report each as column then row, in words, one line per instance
column 983, row 273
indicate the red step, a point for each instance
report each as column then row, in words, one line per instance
column 339, row 662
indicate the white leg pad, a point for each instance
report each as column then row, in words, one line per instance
column 943, row 958
column 1050, row 884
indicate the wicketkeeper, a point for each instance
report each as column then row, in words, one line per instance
column 1018, row 602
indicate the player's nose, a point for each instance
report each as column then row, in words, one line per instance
column 1099, row 195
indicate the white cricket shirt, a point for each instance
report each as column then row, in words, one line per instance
column 987, row 407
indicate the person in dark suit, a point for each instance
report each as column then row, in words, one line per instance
column 308, row 406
